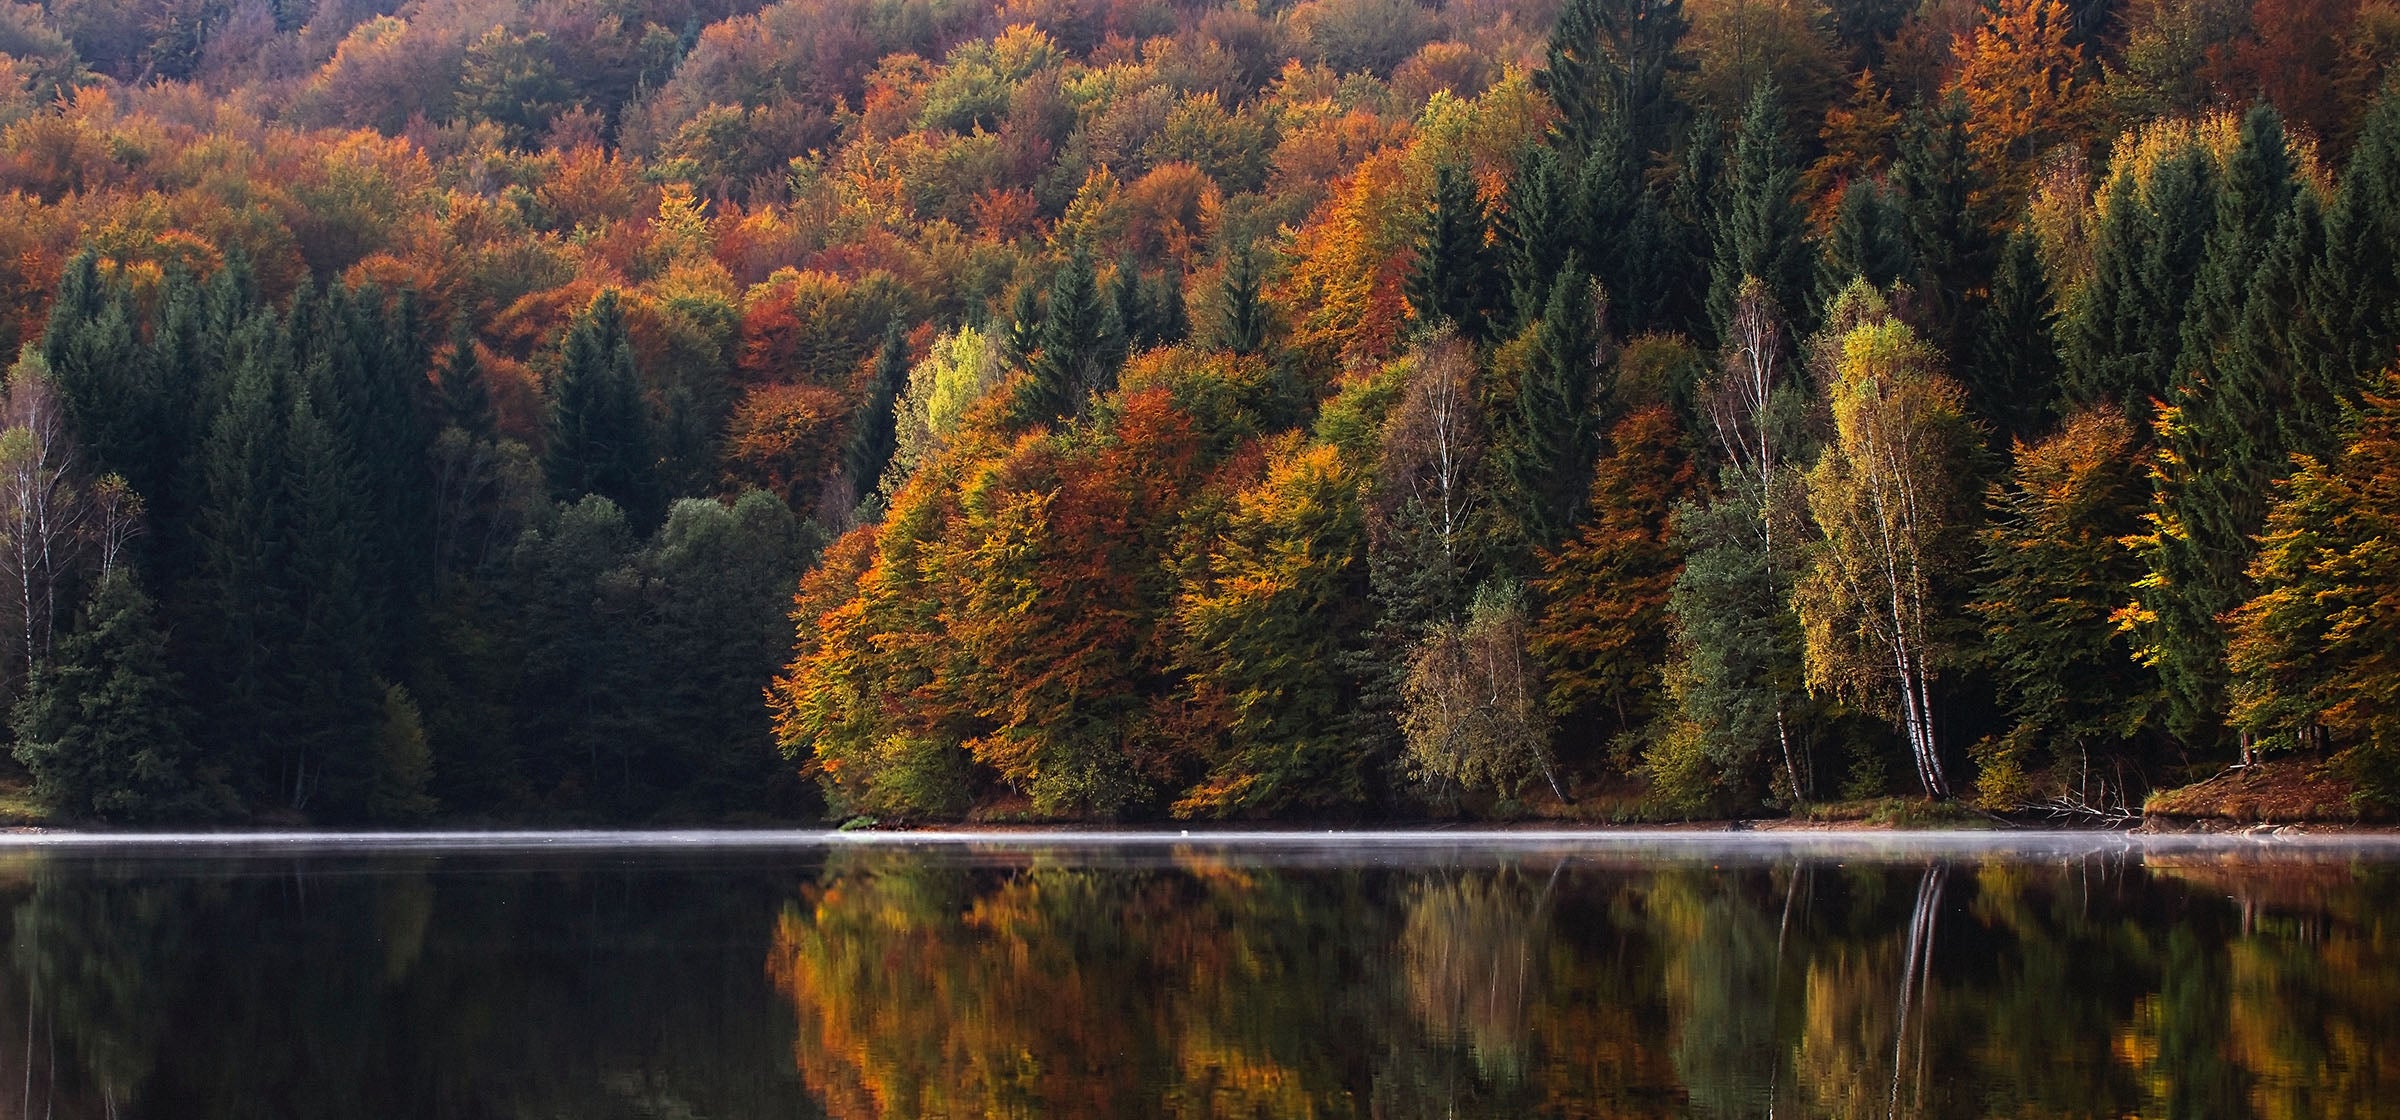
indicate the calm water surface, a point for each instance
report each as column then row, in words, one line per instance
column 1428, row 976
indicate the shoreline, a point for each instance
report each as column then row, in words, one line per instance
column 1762, row 834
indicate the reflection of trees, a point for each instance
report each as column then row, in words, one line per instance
column 274, row 989
column 1041, row 984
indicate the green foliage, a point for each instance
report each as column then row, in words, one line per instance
column 2051, row 571
column 1946, row 199
column 1548, row 434
column 1079, row 349
column 2121, row 336
column 105, row 729
column 1869, row 241
column 2314, row 653
column 1453, row 278
column 2012, row 371
column 599, row 440
column 1760, row 229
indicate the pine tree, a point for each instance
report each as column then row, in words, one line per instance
column 105, row 730
column 1761, row 230
column 2222, row 443
column 1243, row 325
column 1949, row 224
column 1081, row 346
column 1548, row 437
column 2121, row 338
column 874, row 429
column 1452, row 280
column 599, row 438
column 1868, row 241
column 2012, row 371
column 1614, row 56
column 466, row 397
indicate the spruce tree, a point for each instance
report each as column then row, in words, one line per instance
column 2355, row 294
column 329, row 700
column 2121, row 338
column 2012, row 370
column 1534, row 209
column 599, row 438
column 1614, row 56
column 873, row 429
column 2223, row 440
column 1080, row 348
column 242, row 592
column 1761, row 231
column 1950, row 241
column 103, row 372
column 1689, row 236
column 465, row 396
column 104, row 729
column 1453, row 278
column 1868, row 241
column 1242, row 327
column 1548, row 439
column 1616, row 223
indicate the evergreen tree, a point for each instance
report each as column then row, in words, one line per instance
column 1761, row 231
column 103, row 373
column 1534, row 209
column 1949, row 227
column 2123, row 334
column 1869, row 241
column 2012, row 371
column 1080, row 348
column 1735, row 677
column 599, row 439
column 466, row 397
column 327, row 701
column 1617, row 56
column 874, row 430
column 1689, row 234
column 242, row 592
column 1618, row 228
column 1452, row 280
column 1024, row 334
column 2222, row 444
column 2315, row 653
column 105, row 730
column 1243, row 325
column 1548, row 437
column 2357, row 291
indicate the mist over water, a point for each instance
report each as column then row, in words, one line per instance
column 1397, row 974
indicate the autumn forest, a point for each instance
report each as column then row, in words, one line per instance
column 912, row 410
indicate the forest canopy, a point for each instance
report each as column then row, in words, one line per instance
column 918, row 409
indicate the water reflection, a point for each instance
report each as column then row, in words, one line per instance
column 1197, row 981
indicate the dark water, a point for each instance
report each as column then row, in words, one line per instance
column 1429, row 977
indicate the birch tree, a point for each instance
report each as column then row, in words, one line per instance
column 44, row 510
column 1473, row 715
column 1884, row 496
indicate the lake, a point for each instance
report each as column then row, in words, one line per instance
column 740, row 975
